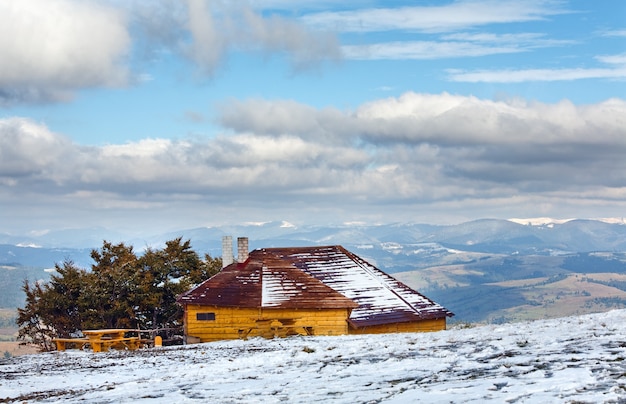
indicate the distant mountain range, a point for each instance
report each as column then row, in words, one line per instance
column 394, row 247
column 539, row 235
column 453, row 264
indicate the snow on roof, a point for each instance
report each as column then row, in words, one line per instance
column 381, row 298
column 263, row 281
column 316, row 277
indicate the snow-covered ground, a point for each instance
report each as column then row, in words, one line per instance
column 574, row 359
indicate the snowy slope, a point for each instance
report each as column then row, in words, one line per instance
column 574, row 359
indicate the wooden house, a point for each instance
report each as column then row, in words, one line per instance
column 306, row 290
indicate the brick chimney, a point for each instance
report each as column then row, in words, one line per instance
column 242, row 249
column 227, row 251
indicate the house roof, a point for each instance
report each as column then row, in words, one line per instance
column 316, row 277
column 382, row 299
column 263, row 281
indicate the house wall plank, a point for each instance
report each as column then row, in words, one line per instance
column 232, row 322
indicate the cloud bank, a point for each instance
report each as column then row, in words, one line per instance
column 394, row 158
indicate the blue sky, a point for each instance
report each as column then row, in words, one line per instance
column 151, row 116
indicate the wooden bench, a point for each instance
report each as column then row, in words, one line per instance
column 62, row 343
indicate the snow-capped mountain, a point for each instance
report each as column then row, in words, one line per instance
column 535, row 233
column 389, row 243
column 547, row 221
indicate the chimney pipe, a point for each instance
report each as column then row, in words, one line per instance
column 242, row 249
column 227, row 251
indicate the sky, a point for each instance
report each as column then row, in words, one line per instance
column 149, row 116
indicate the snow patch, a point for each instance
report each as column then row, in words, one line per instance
column 550, row 222
column 612, row 220
column 355, row 223
column 28, row 245
column 572, row 359
column 258, row 224
column 539, row 221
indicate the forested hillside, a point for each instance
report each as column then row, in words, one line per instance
column 12, row 277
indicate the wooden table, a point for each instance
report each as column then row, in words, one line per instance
column 102, row 340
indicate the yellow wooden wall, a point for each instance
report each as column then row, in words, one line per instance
column 234, row 323
column 420, row 326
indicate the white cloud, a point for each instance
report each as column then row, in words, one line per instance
column 29, row 150
column 615, row 69
column 32, row 155
column 618, row 33
column 208, row 45
column 441, row 119
column 452, row 46
column 218, row 28
column 432, row 151
column 524, row 75
column 613, row 59
column 446, row 146
column 446, row 18
column 525, row 40
column 282, row 117
column 50, row 48
column 423, row 50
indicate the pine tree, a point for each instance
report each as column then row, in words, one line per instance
column 122, row 290
column 112, row 287
column 52, row 309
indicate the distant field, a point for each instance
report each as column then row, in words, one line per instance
column 574, row 295
column 15, row 349
column 500, row 288
column 8, row 335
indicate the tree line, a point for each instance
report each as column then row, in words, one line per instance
column 122, row 290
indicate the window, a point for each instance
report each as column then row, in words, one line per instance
column 205, row 316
